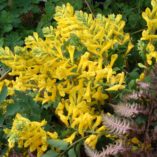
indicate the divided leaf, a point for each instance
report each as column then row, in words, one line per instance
column 127, row 110
column 117, row 125
column 111, row 149
column 60, row 144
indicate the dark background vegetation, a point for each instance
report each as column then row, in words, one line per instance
column 19, row 18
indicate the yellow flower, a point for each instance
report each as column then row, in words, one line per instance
column 109, row 74
column 28, row 134
column 154, row 4
column 86, row 121
column 87, row 95
column 71, row 138
column 71, row 50
column 135, row 140
column 120, row 78
column 106, row 46
column 92, row 140
column 141, row 77
column 150, row 56
column 98, row 95
column 130, row 46
column 98, row 121
column 60, row 113
column 113, row 59
column 53, row 135
column 63, row 71
column 115, row 87
column 102, row 128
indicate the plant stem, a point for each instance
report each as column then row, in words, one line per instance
column 138, row 31
column 89, row 8
column 79, row 140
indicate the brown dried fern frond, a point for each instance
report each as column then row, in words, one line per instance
column 133, row 96
column 143, row 85
column 111, row 149
column 128, row 110
column 90, row 152
column 153, row 83
column 117, row 125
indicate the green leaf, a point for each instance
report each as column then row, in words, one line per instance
column 60, row 144
column 50, row 153
column 1, row 42
column 78, row 148
column 1, row 119
column 72, row 153
column 141, row 120
column 13, row 109
column 134, row 74
column 25, row 105
column 78, row 5
column 3, row 94
column 13, row 39
column 7, row 28
column 3, row 4
column 132, row 84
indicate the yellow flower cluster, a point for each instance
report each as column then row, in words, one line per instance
column 73, row 62
column 149, row 35
column 29, row 134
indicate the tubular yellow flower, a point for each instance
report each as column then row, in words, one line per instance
column 97, row 122
column 71, row 138
column 99, row 96
column 71, row 50
column 53, row 135
column 109, row 75
column 87, row 95
column 91, row 141
column 60, row 113
column 25, row 132
column 115, row 87
column 113, row 59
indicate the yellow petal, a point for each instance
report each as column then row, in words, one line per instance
column 115, row 87
column 92, row 140
column 71, row 138
column 53, row 135
column 113, row 59
column 71, row 50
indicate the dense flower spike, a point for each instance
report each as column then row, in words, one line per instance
column 29, row 134
column 149, row 35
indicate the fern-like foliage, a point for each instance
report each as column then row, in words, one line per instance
column 133, row 96
column 117, row 125
column 111, row 149
column 126, row 109
column 90, row 152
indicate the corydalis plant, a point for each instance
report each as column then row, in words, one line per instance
column 72, row 67
column 133, row 123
